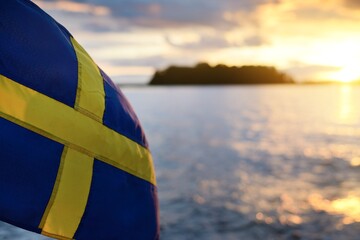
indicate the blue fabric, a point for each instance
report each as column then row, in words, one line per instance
column 36, row 51
column 119, row 114
column 120, row 205
column 28, row 168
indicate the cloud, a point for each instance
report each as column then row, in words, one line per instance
column 352, row 3
column 156, row 61
column 310, row 72
column 255, row 41
column 74, row 7
column 210, row 42
column 80, row 16
column 220, row 15
column 160, row 14
column 203, row 42
column 170, row 14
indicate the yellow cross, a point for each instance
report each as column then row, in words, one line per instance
column 84, row 136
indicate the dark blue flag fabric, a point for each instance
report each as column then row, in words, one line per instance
column 74, row 161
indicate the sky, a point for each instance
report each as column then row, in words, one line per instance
column 312, row 40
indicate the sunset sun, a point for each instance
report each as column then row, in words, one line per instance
column 341, row 56
column 346, row 74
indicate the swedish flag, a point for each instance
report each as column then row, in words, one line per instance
column 74, row 161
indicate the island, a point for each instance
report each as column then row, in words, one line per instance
column 204, row 74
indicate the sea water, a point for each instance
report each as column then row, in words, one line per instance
column 252, row 162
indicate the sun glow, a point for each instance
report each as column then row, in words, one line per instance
column 341, row 55
column 347, row 74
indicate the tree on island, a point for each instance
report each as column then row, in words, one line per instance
column 204, row 74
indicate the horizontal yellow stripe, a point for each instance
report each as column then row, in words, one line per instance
column 68, row 208
column 64, row 124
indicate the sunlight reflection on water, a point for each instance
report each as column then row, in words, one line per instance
column 268, row 162
column 323, row 150
column 348, row 111
column 348, row 206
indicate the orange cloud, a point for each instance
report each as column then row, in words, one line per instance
column 69, row 6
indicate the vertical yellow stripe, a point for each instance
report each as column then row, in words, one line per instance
column 90, row 96
column 70, row 194
column 73, row 190
column 56, row 187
